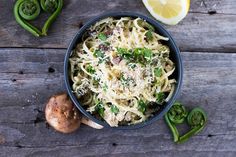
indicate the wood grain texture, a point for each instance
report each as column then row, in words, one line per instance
column 220, row 6
column 28, row 77
column 199, row 31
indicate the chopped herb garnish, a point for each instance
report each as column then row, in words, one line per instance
column 138, row 55
column 96, row 78
column 150, row 27
column 102, row 36
column 142, row 106
column 147, row 54
column 158, row 72
column 107, row 43
column 114, row 109
column 146, row 25
column 121, row 51
column 125, row 53
column 138, row 52
column 104, row 87
column 148, row 35
column 100, row 109
column 125, row 81
column 143, row 55
column 132, row 65
column 100, row 60
column 96, row 81
column 99, row 54
column 163, row 49
column 90, row 69
column 160, row 97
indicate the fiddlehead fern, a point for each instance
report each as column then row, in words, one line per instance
column 27, row 10
column 49, row 5
column 196, row 120
column 53, row 16
column 175, row 115
column 173, row 129
column 197, row 117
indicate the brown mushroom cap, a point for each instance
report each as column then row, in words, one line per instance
column 61, row 114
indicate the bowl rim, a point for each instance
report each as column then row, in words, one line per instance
column 159, row 28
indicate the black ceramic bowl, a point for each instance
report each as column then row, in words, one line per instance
column 174, row 55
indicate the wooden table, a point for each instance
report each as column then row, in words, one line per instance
column 31, row 70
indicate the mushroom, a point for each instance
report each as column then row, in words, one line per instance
column 63, row 116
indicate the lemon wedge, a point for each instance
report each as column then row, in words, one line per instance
column 168, row 11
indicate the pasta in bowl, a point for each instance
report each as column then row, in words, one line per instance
column 121, row 72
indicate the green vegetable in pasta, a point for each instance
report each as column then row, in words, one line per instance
column 104, row 87
column 96, row 80
column 132, row 65
column 107, row 43
column 160, row 97
column 125, row 53
column 146, row 25
column 142, row 55
column 163, row 49
column 138, row 52
column 102, row 36
column 148, row 35
column 114, row 109
column 142, row 106
column 158, row 72
column 150, row 27
column 99, row 54
column 147, row 54
column 100, row 109
column 90, row 69
column 124, row 81
column 138, row 55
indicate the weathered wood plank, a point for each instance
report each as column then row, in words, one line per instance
column 76, row 151
column 199, row 31
column 209, row 82
column 137, row 146
column 209, row 6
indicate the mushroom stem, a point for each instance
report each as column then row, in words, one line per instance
column 90, row 123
